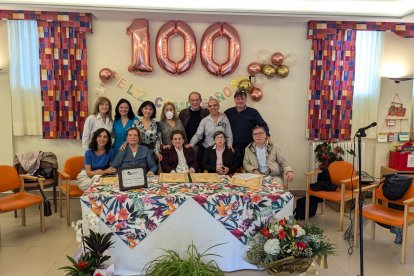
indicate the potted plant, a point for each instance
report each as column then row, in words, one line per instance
column 325, row 154
column 94, row 245
column 286, row 246
column 172, row 264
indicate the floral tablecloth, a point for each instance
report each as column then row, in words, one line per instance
column 132, row 215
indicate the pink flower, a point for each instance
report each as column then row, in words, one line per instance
column 121, row 198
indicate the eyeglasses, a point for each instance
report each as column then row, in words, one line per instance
column 258, row 133
column 213, row 105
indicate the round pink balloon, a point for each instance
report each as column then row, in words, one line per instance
column 256, row 94
column 105, row 74
column 254, row 68
column 277, row 59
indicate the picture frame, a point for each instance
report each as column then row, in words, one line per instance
column 382, row 138
column 132, row 178
column 391, row 122
column 403, row 137
column 391, row 137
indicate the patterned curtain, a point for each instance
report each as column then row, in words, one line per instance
column 63, row 80
column 63, row 69
column 331, row 86
column 332, row 74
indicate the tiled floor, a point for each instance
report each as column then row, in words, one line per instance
column 27, row 251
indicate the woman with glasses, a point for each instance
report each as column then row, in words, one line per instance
column 219, row 158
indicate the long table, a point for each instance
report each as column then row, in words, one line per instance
column 172, row 216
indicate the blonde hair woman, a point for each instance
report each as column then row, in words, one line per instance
column 169, row 122
column 101, row 118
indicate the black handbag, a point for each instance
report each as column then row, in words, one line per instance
column 47, row 208
column 395, row 186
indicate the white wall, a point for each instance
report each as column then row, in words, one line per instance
column 6, row 137
column 283, row 106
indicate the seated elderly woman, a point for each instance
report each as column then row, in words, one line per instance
column 135, row 154
column 219, row 158
column 178, row 158
column 97, row 159
column 261, row 157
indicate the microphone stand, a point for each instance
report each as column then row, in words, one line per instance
column 361, row 133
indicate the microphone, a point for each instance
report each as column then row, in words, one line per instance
column 362, row 129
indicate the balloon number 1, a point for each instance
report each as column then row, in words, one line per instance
column 140, row 47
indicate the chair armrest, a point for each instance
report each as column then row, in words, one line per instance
column 408, row 201
column 31, row 177
column 307, row 174
column 63, row 174
column 366, row 188
column 344, row 181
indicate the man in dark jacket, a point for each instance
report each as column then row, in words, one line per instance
column 242, row 120
column 191, row 118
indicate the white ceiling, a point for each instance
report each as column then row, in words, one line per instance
column 302, row 10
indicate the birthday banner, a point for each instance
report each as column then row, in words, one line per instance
column 142, row 95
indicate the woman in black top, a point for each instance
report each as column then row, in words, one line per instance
column 219, row 158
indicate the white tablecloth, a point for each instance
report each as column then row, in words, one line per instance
column 189, row 223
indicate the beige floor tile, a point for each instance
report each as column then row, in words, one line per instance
column 381, row 256
column 25, row 268
column 55, row 271
column 9, row 254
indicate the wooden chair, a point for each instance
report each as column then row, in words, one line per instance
column 342, row 175
column 72, row 168
column 10, row 181
column 380, row 212
column 51, row 182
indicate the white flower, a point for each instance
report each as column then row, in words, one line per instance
column 275, row 228
column 299, row 230
column 140, row 223
column 272, row 246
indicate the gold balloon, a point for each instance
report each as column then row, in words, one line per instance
column 282, row 71
column 269, row 71
column 245, row 85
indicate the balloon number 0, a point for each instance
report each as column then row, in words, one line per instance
column 140, row 47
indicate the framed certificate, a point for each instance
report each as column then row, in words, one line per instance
column 132, row 178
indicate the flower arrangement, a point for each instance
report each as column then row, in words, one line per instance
column 285, row 239
column 93, row 244
column 326, row 153
column 403, row 147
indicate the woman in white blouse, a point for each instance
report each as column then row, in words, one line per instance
column 101, row 118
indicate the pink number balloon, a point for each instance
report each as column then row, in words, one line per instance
column 207, row 49
column 167, row 31
column 140, row 46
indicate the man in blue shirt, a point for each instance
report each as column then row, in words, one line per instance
column 242, row 120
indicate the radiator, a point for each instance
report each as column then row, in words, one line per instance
column 346, row 145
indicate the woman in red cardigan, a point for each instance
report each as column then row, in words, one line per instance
column 178, row 158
